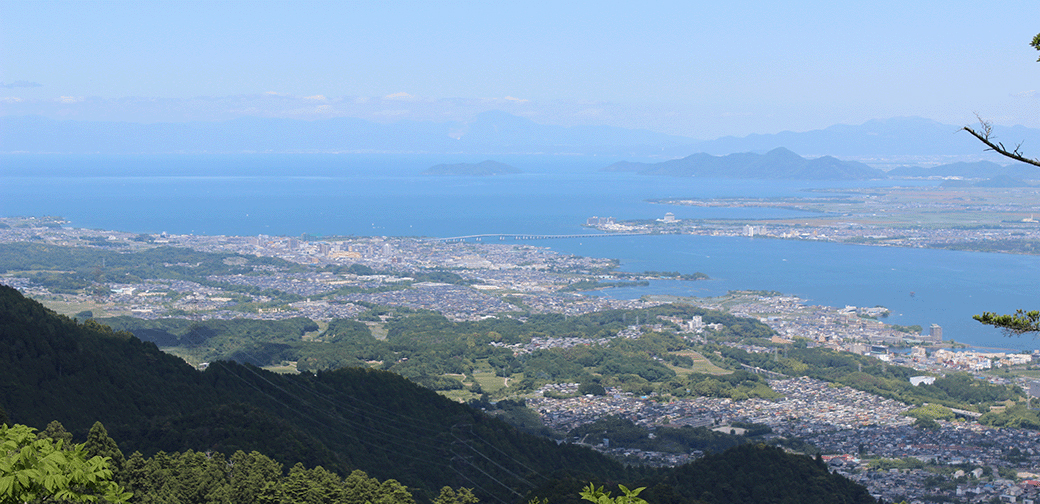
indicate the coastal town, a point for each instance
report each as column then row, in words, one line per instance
column 950, row 217
column 339, row 278
column 981, row 237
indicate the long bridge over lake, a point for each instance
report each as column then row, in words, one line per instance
column 510, row 236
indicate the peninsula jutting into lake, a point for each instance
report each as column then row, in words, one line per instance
column 743, row 361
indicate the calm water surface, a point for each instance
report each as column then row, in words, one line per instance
column 919, row 286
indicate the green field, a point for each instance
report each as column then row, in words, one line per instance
column 700, row 365
column 287, row 369
column 489, row 382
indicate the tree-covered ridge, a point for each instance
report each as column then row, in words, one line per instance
column 749, row 473
column 214, row 478
column 427, row 347
column 211, row 477
column 760, row 474
column 624, row 433
column 53, row 367
column 958, row 390
column 257, row 342
column 349, row 419
column 778, row 163
column 67, row 269
column 45, row 466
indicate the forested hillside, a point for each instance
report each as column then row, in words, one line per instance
column 434, row 351
column 53, row 368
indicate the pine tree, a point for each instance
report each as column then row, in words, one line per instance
column 56, row 431
column 250, row 472
column 451, row 496
column 99, row 444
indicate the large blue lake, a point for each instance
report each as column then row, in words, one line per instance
column 291, row 195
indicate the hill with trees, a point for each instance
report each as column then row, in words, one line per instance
column 778, row 163
column 957, row 390
column 749, row 473
column 428, row 348
column 54, row 368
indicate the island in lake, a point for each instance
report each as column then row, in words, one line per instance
column 481, row 169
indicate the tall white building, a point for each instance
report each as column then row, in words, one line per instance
column 935, row 333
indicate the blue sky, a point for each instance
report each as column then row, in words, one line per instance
column 698, row 69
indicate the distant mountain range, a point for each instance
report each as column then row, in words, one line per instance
column 481, row 169
column 878, row 138
column 778, row 163
column 976, row 170
column 881, row 143
column 488, row 132
column 781, row 163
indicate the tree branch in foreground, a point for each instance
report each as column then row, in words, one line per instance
column 1021, row 322
column 985, row 135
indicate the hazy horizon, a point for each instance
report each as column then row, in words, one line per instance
column 698, row 71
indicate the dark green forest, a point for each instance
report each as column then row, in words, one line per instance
column 623, row 433
column 55, row 368
column 748, row 473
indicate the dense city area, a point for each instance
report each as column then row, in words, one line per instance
column 872, row 440
column 869, row 439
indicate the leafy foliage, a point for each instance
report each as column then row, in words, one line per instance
column 597, row 495
column 34, row 468
column 449, row 495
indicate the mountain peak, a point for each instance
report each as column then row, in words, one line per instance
column 778, row 163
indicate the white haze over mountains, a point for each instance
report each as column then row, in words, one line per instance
column 880, row 143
